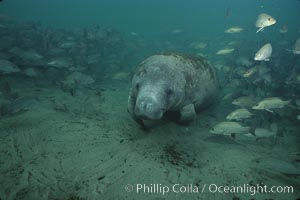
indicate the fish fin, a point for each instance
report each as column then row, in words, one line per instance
column 267, row 59
column 249, row 135
column 260, row 29
column 271, row 111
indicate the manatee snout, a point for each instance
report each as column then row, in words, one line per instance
column 150, row 104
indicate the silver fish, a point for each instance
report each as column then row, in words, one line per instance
column 7, row 67
column 264, row 20
column 270, row 103
column 60, row 62
column 296, row 49
column 239, row 114
column 244, row 101
column 229, row 128
column 264, row 133
column 264, row 53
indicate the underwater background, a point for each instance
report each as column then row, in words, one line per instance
column 65, row 74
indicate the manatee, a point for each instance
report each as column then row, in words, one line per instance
column 172, row 82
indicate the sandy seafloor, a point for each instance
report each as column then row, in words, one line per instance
column 88, row 147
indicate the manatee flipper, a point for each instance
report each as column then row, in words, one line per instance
column 187, row 113
column 130, row 108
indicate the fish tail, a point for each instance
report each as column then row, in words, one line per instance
column 288, row 102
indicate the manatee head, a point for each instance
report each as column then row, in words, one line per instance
column 158, row 88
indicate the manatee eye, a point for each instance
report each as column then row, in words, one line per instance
column 169, row 92
column 137, row 86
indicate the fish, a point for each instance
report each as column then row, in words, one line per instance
column 244, row 61
column 176, row 31
column 133, row 33
column 16, row 51
column 229, row 128
column 250, row 72
column 93, row 58
column 60, row 62
column 222, row 139
column 30, row 72
column 78, row 78
column 234, row 42
column 239, row 114
column 7, row 67
column 121, row 76
column 265, row 78
column 238, row 71
column 297, row 102
column 198, row 45
column 55, row 52
column 277, row 165
column 259, row 73
column 67, row 45
column 31, row 55
column 225, row 51
column 234, row 29
column 244, row 101
column 263, row 69
column 271, row 103
column 283, row 29
column 264, row 20
column 296, row 49
column 264, row 133
column 291, row 78
column 264, row 53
